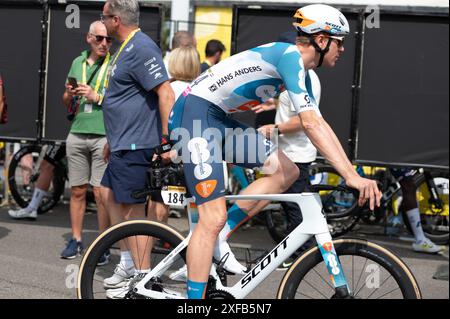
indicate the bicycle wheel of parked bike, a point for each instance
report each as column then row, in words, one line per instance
column 435, row 220
column 23, row 174
column 372, row 272
column 150, row 240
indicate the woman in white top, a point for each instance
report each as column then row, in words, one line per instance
column 184, row 67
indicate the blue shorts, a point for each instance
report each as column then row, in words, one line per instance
column 127, row 172
column 205, row 136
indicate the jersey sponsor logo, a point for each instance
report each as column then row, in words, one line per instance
column 328, row 246
column 187, row 91
column 198, row 80
column 266, row 92
column 206, row 188
column 131, row 47
column 248, row 106
column 202, row 171
column 150, row 61
column 213, row 88
column 248, row 70
column 158, row 76
column 224, row 79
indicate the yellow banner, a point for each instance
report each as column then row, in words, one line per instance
column 217, row 26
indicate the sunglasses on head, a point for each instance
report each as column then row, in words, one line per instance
column 100, row 38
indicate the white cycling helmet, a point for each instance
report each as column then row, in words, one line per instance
column 320, row 18
column 316, row 18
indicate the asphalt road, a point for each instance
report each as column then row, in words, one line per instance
column 30, row 265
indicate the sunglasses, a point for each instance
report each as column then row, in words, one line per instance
column 100, row 38
column 103, row 17
column 339, row 41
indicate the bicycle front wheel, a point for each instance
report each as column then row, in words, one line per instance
column 372, row 272
column 149, row 242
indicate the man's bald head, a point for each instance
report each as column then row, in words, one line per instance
column 183, row 39
column 97, row 27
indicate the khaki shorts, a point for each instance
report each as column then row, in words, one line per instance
column 85, row 159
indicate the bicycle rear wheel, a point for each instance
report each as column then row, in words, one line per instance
column 151, row 238
column 372, row 272
column 22, row 179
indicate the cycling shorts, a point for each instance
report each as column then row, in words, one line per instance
column 55, row 153
column 205, row 136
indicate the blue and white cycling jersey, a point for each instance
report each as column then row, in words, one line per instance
column 252, row 77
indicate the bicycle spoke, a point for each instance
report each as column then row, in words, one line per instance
column 324, row 280
column 316, row 289
column 362, row 270
column 378, row 287
column 398, row 288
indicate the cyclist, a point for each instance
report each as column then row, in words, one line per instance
column 409, row 205
column 53, row 155
column 204, row 134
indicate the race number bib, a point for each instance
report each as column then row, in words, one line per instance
column 174, row 196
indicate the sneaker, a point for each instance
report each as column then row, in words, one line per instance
column 104, row 259
column 120, row 277
column 121, row 293
column 23, row 214
column 73, row 249
column 427, row 246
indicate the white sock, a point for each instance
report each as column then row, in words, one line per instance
column 416, row 225
column 126, row 260
column 36, row 200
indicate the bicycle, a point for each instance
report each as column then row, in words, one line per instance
column 339, row 205
column 387, row 275
column 433, row 202
column 22, row 192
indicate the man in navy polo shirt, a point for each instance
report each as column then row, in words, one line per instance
column 137, row 102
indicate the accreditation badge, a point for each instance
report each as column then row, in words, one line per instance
column 88, row 108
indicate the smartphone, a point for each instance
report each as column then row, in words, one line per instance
column 73, row 82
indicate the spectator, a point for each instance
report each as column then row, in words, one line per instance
column 53, row 155
column 137, row 102
column 213, row 51
column 181, row 39
column 184, row 67
column 3, row 105
column 86, row 139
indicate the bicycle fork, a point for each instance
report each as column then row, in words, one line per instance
column 337, row 277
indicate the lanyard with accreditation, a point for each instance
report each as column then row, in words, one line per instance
column 124, row 44
column 73, row 109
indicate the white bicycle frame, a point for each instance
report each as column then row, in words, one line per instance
column 314, row 224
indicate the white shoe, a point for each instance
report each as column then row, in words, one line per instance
column 120, row 277
column 233, row 266
column 23, row 214
column 427, row 246
column 120, row 293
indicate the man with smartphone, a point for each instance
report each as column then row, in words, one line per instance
column 86, row 139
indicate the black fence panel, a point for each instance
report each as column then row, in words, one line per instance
column 20, row 58
column 404, row 110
